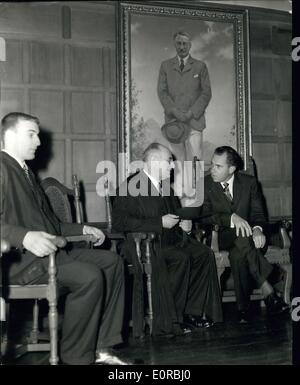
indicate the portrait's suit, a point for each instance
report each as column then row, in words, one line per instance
column 81, row 272
column 186, row 90
column 184, row 278
column 247, row 262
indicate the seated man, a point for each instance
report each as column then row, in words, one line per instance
column 185, row 285
column 233, row 201
column 94, row 278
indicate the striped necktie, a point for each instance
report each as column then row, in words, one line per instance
column 226, row 191
column 26, row 171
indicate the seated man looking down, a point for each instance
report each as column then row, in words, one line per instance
column 93, row 278
column 234, row 202
column 184, row 278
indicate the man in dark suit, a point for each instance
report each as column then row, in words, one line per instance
column 184, row 278
column 234, row 202
column 93, row 278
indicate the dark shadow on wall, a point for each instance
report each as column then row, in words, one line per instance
column 40, row 163
column 44, row 153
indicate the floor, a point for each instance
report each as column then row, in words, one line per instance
column 264, row 341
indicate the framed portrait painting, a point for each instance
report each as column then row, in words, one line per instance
column 219, row 38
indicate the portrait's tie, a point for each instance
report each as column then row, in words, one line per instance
column 181, row 65
column 226, row 191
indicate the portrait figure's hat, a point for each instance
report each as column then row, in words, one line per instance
column 175, row 132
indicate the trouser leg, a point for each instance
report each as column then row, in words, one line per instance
column 178, row 266
column 111, row 320
column 204, row 294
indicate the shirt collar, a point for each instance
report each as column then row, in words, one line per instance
column 185, row 59
column 230, row 183
column 21, row 163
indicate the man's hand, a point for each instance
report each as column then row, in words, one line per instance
column 186, row 225
column 97, row 233
column 179, row 115
column 39, row 243
column 241, row 225
column 259, row 238
column 169, row 220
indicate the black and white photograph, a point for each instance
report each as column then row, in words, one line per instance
column 147, row 194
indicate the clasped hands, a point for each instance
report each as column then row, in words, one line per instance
column 182, row 116
column 42, row 244
column 171, row 220
column 241, row 225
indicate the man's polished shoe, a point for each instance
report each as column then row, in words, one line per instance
column 181, row 328
column 275, row 304
column 243, row 316
column 197, row 321
column 109, row 356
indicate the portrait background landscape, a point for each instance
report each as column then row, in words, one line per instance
column 219, row 38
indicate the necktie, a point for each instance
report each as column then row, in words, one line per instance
column 181, row 65
column 25, row 168
column 226, row 191
column 160, row 188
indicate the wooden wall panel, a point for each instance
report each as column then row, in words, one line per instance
column 13, row 70
column 261, row 76
column 93, row 24
column 287, row 162
column 260, row 37
column 87, row 66
column 285, row 118
column 287, row 209
column 263, row 117
column 266, row 156
column 56, row 166
column 282, row 72
column 95, row 207
column 87, row 115
column 46, row 63
column 86, row 155
column 273, row 200
column 11, row 100
column 49, row 107
column 31, row 18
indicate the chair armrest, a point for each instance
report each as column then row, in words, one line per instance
column 79, row 238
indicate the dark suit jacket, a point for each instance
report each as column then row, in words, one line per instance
column 25, row 209
column 144, row 212
column 247, row 202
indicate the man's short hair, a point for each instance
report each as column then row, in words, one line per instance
column 10, row 120
column 182, row 33
column 233, row 157
column 153, row 147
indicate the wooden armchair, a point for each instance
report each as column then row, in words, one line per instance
column 63, row 199
column 278, row 253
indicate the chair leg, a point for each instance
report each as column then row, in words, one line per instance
column 148, row 272
column 288, row 283
column 53, row 316
column 33, row 338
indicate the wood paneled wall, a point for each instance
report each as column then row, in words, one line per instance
column 61, row 67
column 271, row 90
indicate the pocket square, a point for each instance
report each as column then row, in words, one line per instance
column 196, row 75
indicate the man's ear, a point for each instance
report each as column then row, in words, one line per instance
column 232, row 169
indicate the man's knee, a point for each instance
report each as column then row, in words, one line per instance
column 87, row 275
column 244, row 243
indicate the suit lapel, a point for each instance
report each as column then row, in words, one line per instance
column 219, row 191
column 237, row 190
